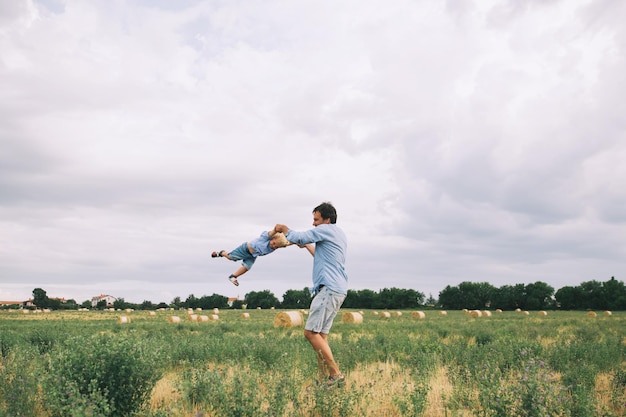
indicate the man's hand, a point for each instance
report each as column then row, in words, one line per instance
column 281, row 228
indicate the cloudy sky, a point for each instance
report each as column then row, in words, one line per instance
column 468, row 140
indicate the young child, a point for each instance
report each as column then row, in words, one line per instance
column 247, row 252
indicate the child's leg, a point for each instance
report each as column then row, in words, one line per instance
column 247, row 264
column 239, row 272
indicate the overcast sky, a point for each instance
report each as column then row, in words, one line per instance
column 477, row 141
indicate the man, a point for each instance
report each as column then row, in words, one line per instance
column 330, row 283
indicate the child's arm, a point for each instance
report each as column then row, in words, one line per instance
column 310, row 247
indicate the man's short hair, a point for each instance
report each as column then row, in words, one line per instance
column 327, row 211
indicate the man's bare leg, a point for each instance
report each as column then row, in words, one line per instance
column 326, row 361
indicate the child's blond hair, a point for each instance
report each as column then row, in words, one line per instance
column 281, row 240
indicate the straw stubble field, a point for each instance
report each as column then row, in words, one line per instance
column 258, row 364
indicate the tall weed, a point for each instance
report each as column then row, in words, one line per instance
column 100, row 375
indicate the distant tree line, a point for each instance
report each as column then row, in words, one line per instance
column 595, row 295
column 609, row 295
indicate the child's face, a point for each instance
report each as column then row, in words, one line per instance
column 274, row 244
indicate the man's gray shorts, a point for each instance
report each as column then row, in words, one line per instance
column 324, row 308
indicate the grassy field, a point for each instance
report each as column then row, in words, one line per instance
column 509, row 364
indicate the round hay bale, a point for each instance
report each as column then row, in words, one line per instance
column 214, row 317
column 203, row 318
column 349, row 317
column 216, row 310
column 498, row 310
column 288, row 319
column 443, row 313
column 592, row 314
column 385, row 314
column 543, row 313
column 526, row 313
column 198, row 308
column 193, row 317
column 123, row 320
column 151, row 313
column 487, row 313
column 475, row 313
column 173, row 319
column 397, row 313
column 375, row 313
column 608, row 313
column 518, row 310
column 418, row 315
column 245, row 315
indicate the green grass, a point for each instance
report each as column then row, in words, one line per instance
column 88, row 364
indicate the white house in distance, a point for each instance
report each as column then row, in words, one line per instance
column 108, row 298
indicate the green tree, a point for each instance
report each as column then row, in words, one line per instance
column 40, row 298
column 176, row 303
column 54, row 303
column 191, row 302
column 263, row 299
column 615, row 294
column 69, row 305
column 431, row 301
column 593, row 295
column 118, row 304
column 451, row 298
column 396, row 298
column 538, row 296
column 212, row 301
column 296, row 299
column 569, row 298
column 470, row 295
column 361, row 299
column 509, row 297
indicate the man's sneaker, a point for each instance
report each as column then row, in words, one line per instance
column 336, row 381
column 233, row 279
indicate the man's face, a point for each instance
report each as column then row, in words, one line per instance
column 317, row 219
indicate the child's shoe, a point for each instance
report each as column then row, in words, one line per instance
column 233, row 279
column 217, row 254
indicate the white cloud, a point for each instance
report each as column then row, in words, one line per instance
column 459, row 141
